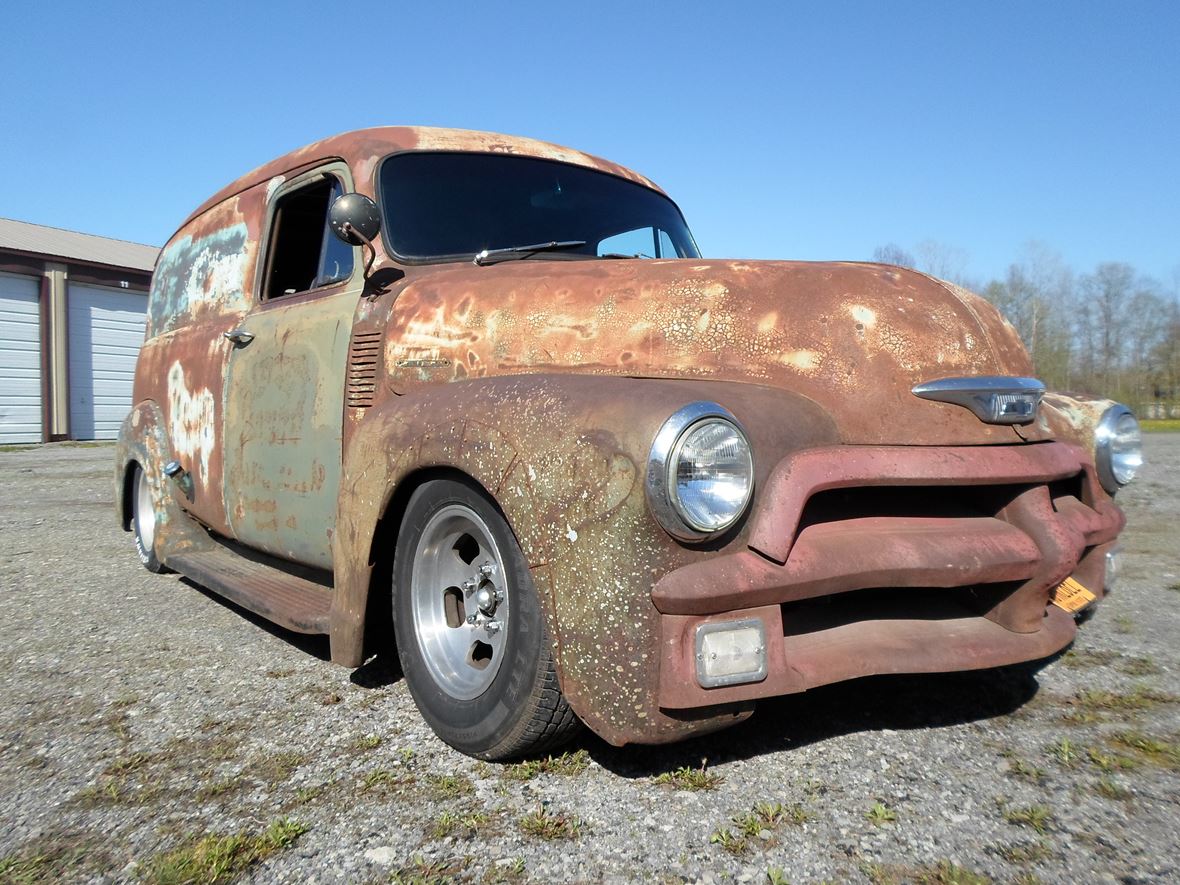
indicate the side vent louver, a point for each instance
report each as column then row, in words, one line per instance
column 362, row 369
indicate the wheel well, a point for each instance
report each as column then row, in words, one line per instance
column 128, row 492
column 378, row 610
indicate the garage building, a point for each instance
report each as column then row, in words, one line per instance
column 72, row 309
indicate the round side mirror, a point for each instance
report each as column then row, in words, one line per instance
column 355, row 219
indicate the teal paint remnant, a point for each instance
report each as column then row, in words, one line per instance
column 209, row 272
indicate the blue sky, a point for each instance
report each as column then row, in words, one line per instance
column 784, row 130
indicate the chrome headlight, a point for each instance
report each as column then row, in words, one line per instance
column 1118, row 449
column 700, row 473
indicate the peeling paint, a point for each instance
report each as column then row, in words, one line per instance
column 192, row 415
column 195, row 274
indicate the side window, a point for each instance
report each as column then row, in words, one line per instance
column 667, row 247
column 304, row 253
column 643, row 242
column 639, row 242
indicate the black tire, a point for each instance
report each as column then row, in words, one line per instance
column 144, row 522
column 515, row 710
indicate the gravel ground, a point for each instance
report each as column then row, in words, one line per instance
column 141, row 718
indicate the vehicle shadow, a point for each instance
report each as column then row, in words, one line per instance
column 377, row 672
column 873, row 703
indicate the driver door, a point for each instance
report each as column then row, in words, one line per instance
column 286, row 377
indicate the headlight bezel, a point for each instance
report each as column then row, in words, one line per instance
column 1104, row 437
column 662, row 463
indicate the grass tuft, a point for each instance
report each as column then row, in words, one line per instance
column 385, row 780
column 214, row 858
column 1078, row 658
column 1026, row 771
column 1065, row 751
column 423, row 872
column 1136, row 666
column 1025, row 853
column 728, row 840
column 1108, row 789
column 220, row 787
column 946, row 873
column 450, row 786
column 1161, row 753
column 56, row 857
column 449, row 823
column 1035, row 816
column 1111, row 761
column 942, row 872
column 692, row 779
column 759, row 822
column 278, row 767
column 880, row 813
column 546, row 824
column 1096, row 705
column 565, row 765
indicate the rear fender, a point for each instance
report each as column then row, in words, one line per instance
column 143, row 440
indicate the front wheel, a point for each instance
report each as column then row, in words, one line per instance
column 471, row 637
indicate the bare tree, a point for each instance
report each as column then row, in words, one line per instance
column 1036, row 296
column 891, row 253
column 1109, row 332
column 1107, row 293
column 942, row 260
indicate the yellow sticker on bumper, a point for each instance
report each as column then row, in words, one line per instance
column 1072, row 596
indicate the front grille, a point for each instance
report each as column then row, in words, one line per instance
column 941, row 502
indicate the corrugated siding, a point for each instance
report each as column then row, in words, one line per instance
column 106, row 332
column 20, row 359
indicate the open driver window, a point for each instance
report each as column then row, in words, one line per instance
column 304, row 253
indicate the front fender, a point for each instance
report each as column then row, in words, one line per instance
column 564, row 457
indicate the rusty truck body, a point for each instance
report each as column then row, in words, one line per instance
column 482, row 394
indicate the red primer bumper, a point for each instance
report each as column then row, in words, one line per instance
column 1039, row 535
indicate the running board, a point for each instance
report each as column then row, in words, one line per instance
column 289, row 601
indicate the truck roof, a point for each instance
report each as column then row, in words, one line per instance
column 363, row 149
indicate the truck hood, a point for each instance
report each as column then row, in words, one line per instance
column 854, row 338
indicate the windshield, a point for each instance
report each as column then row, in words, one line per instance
column 447, row 205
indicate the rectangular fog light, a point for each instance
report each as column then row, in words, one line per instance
column 730, row 652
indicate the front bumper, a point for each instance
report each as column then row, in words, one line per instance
column 868, row 560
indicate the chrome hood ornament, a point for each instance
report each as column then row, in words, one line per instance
column 995, row 399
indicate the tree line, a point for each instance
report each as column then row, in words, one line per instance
column 1111, row 331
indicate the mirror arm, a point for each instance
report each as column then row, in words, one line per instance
column 352, row 231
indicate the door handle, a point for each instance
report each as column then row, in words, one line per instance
column 239, row 336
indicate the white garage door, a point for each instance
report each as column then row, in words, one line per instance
column 106, row 332
column 20, row 359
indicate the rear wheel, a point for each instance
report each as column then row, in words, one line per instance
column 470, row 633
column 144, row 522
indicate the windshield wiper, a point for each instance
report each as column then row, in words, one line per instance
column 491, row 256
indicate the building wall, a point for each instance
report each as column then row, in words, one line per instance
column 62, row 284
